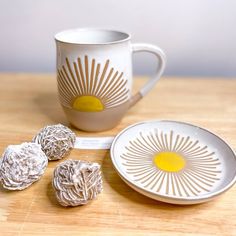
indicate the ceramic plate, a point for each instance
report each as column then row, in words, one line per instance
column 174, row 162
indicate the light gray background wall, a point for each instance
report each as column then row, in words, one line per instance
column 198, row 36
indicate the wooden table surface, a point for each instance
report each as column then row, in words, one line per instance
column 29, row 101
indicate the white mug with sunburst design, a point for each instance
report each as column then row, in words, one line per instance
column 94, row 75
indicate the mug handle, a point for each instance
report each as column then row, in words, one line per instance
column 161, row 57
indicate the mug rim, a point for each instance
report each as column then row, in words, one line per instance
column 61, row 36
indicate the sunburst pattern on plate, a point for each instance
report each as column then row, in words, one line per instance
column 171, row 164
column 88, row 86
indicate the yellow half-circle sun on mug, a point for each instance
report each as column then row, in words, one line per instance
column 89, row 86
column 88, row 103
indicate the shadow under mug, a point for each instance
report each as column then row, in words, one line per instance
column 94, row 76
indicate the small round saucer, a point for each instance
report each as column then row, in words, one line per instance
column 174, row 162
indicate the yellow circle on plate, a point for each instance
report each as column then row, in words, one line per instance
column 88, row 103
column 169, row 161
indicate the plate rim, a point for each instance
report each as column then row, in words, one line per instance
column 205, row 197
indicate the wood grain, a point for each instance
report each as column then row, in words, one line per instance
column 29, row 101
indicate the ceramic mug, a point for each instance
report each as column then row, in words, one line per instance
column 94, row 75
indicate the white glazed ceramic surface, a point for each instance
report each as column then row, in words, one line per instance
column 174, row 162
column 94, row 74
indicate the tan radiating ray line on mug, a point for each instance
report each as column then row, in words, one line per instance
column 184, row 144
column 118, row 100
column 118, row 96
column 81, row 88
column 81, row 74
column 62, row 91
column 101, row 78
column 109, row 85
column 92, row 75
column 62, row 88
column 64, row 99
column 62, row 79
column 72, row 75
column 177, row 184
column 115, row 85
column 96, row 78
column 117, row 88
column 86, row 75
column 68, row 79
column 103, row 86
column 65, row 82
